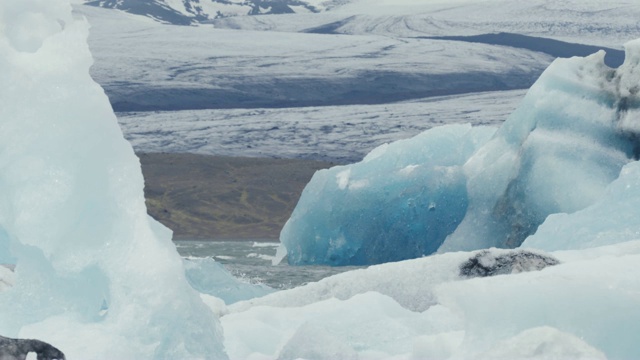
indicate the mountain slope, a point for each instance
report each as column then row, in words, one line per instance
column 186, row 12
column 207, row 197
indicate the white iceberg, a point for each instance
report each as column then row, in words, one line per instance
column 94, row 275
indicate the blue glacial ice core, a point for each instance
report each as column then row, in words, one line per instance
column 399, row 202
column 460, row 188
column 94, row 275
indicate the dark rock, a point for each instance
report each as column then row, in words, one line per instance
column 17, row 349
column 497, row 262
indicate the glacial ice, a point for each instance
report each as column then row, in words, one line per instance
column 399, row 202
column 492, row 263
column 559, row 176
column 94, row 275
column 583, row 307
column 210, row 277
column 557, row 153
column 454, row 188
column 612, row 219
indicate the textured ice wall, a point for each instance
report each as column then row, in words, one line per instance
column 399, row 202
column 566, row 142
column 613, row 219
column 95, row 275
column 557, row 153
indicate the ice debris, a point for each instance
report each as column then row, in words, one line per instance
column 495, row 262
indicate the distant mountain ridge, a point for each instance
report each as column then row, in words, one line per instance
column 188, row 12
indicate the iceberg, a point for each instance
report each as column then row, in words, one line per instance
column 458, row 188
column 94, row 275
column 399, row 202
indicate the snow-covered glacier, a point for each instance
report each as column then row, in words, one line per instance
column 94, row 275
column 457, row 188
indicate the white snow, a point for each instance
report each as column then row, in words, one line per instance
column 212, row 9
column 581, row 308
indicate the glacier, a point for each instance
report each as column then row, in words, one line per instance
column 556, row 153
column 72, row 217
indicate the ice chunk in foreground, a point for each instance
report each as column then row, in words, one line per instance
column 449, row 189
column 543, row 342
column 94, row 274
column 583, row 307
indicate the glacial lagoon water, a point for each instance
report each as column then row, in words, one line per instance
column 250, row 260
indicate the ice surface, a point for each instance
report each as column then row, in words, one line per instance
column 210, row 277
column 571, row 297
column 543, row 342
column 399, row 202
column 6, row 278
column 335, row 133
column 94, row 275
column 140, row 69
column 583, row 307
column 556, row 153
column 610, row 220
column 570, row 149
column 409, row 282
column 369, row 323
column 72, row 218
column 492, row 263
column 604, row 23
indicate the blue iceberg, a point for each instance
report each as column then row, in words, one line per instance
column 400, row 202
column 461, row 188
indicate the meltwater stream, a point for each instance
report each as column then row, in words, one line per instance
column 251, row 261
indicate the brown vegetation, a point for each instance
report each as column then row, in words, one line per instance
column 215, row 197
